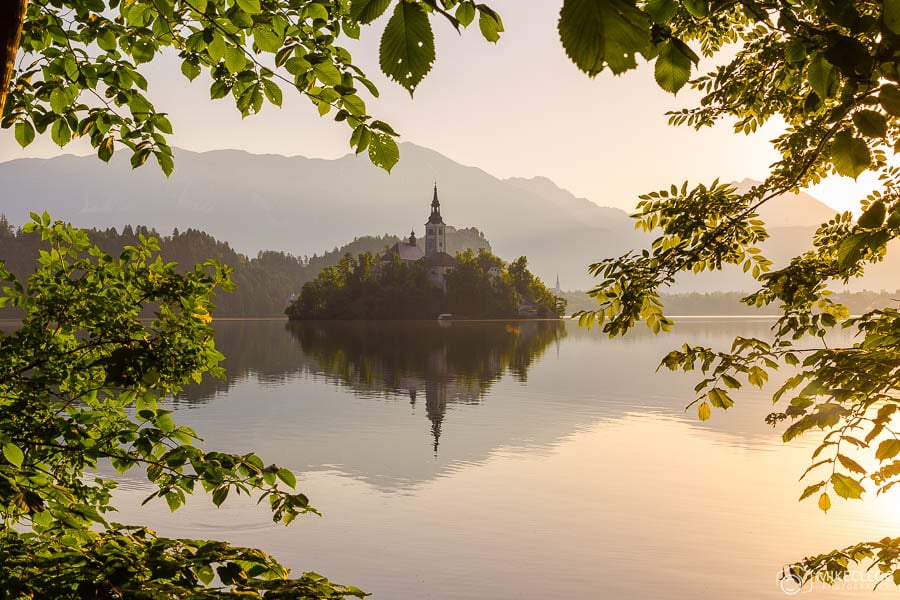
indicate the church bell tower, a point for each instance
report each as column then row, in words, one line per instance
column 435, row 230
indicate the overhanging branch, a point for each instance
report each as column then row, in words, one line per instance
column 12, row 18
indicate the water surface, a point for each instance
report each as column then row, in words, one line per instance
column 509, row 460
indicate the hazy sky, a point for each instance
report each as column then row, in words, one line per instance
column 517, row 108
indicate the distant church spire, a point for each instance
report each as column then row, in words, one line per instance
column 435, row 230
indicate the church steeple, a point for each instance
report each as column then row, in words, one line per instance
column 435, row 216
column 435, row 230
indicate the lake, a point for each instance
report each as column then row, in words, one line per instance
column 517, row 460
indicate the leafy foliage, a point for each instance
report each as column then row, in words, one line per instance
column 80, row 72
column 367, row 287
column 829, row 70
column 85, row 380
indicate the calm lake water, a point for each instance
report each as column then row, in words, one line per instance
column 510, row 460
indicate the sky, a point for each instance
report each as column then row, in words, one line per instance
column 515, row 108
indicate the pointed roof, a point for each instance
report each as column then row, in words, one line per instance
column 435, row 216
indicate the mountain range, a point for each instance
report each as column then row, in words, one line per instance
column 308, row 206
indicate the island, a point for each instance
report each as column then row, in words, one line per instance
column 407, row 281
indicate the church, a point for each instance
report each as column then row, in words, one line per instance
column 437, row 261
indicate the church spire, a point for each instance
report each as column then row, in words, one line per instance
column 435, row 229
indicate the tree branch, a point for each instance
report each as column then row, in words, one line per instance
column 12, row 18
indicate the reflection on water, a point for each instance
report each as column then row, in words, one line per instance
column 510, row 460
column 453, row 364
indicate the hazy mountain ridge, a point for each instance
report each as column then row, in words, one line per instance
column 305, row 206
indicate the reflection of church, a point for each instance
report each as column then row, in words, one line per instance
column 435, row 256
column 441, row 387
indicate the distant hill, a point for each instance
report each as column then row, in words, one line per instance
column 305, row 206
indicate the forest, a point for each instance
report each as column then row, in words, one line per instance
column 366, row 288
column 264, row 284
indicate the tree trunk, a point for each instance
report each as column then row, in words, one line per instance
column 12, row 18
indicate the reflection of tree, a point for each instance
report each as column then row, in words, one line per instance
column 451, row 365
column 259, row 348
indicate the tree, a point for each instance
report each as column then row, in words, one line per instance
column 829, row 69
column 84, row 380
column 79, row 70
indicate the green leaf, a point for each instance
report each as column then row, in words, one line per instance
column 661, row 11
column 106, row 148
column 870, row 123
column 219, row 89
column 354, row 104
column 165, row 162
column 351, row 28
column 366, row 11
column 143, row 51
column 287, row 477
column 13, row 454
column 165, row 423
column 190, row 70
column 173, row 500
column 219, row 495
column 821, row 76
column 490, row 25
column 107, row 40
column 874, row 216
column 273, row 92
column 407, row 46
column 205, row 574
column 60, row 132
column 465, row 14
column 59, row 101
column 317, row 11
column 849, row 154
column 24, row 133
column 327, row 73
column 598, row 35
column 846, row 487
column 851, row 248
column 251, row 7
column 889, row 97
column 216, row 48
column 267, row 40
column 383, row 151
column 795, row 51
column 697, row 8
column 234, row 59
column 888, row 449
column 673, row 68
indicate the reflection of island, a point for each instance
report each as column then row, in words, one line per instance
column 336, row 396
column 449, row 365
